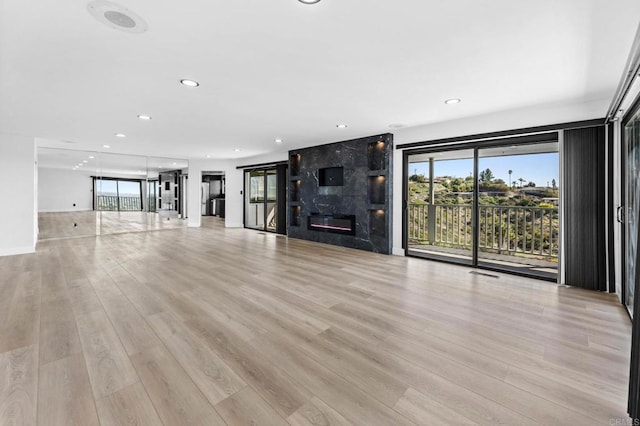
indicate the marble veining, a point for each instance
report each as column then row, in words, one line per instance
column 360, row 159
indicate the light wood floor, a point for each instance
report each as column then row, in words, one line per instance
column 92, row 223
column 212, row 326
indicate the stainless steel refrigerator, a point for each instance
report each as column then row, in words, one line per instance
column 204, row 198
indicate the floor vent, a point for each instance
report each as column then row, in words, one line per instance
column 484, row 274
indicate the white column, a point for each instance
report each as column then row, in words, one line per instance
column 194, row 212
column 18, row 216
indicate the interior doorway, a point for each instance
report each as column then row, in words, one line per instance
column 212, row 194
column 265, row 199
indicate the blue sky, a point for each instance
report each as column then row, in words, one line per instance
column 539, row 168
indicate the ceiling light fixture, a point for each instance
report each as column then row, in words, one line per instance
column 91, row 157
column 341, row 126
column 452, row 101
column 106, row 146
column 144, row 117
column 208, row 156
column 84, row 161
column 309, row 1
column 236, row 150
column 278, row 140
column 120, row 135
column 189, row 83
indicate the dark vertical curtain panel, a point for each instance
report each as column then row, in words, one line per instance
column 584, row 207
column 281, row 197
column 611, row 212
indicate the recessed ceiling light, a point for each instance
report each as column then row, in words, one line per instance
column 236, row 150
column 189, row 83
column 208, row 156
column 144, row 117
column 278, row 140
column 91, row 157
column 120, row 135
column 452, row 101
column 341, row 126
column 175, row 164
column 106, row 146
column 85, row 161
column 309, row 1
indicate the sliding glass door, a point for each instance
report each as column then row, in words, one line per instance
column 493, row 207
column 118, row 194
column 261, row 199
column 518, row 220
column 631, row 178
column 440, row 205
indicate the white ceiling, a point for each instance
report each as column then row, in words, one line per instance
column 107, row 164
column 282, row 69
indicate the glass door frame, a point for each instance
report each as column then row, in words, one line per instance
column 476, row 145
column 265, row 200
column 623, row 209
column 470, row 260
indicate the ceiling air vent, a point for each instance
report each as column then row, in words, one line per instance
column 117, row 17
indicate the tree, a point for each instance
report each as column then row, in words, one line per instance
column 510, row 172
column 553, row 183
column 458, row 185
column 486, row 176
column 521, row 180
column 418, row 178
column 531, row 184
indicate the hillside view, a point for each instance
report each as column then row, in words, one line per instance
column 520, row 219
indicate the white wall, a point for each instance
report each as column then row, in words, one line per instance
column 234, row 197
column 17, row 209
column 60, row 189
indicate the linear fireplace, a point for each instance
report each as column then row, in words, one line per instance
column 336, row 223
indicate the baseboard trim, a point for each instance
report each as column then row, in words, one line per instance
column 228, row 224
column 66, row 211
column 17, row 250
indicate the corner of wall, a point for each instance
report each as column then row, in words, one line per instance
column 398, row 251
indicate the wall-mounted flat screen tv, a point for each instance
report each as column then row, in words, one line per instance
column 330, row 176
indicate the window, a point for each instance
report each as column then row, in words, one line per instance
column 118, row 194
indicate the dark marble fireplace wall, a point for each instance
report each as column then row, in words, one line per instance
column 366, row 193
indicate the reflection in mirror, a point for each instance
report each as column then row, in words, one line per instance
column 119, row 191
column 65, row 193
column 87, row 193
column 167, row 183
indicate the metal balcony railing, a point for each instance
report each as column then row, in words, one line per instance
column 115, row 203
column 502, row 230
